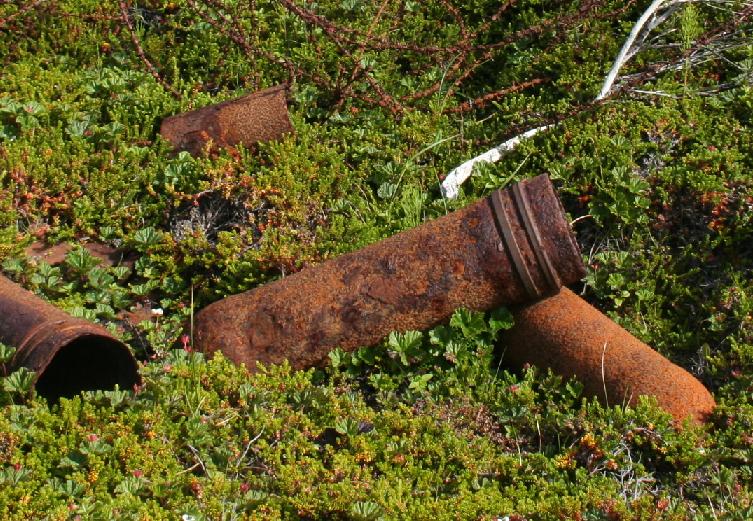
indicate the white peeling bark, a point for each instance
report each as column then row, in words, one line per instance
column 625, row 54
column 458, row 175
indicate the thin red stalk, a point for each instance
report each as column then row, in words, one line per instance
column 21, row 11
column 140, row 51
column 484, row 100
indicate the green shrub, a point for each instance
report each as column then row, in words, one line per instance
column 385, row 101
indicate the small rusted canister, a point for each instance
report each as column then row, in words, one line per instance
column 512, row 247
column 68, row 355
column 260, row 116
column 571, row 337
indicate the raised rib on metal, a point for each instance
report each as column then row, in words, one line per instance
column 511, row 244
column 532, row 232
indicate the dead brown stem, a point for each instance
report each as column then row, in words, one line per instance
column 140, row 51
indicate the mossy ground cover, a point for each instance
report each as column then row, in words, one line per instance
column 386, row 97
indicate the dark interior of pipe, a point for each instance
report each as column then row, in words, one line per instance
column 88, row 363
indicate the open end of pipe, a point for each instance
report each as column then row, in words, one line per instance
column 88, row 363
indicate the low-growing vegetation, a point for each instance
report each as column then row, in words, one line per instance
column 386, row 98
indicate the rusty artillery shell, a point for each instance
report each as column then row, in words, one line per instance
column 67, row 354
column 260, row 116
column 573, row 338
column 512, row 247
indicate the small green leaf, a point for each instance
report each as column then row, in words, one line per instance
column 387, row 190
column 20, row 381
column 500, row 319
column 147, row 237
column 80, row 260
column 6, row 353
column 336, row 357
column 365, row 510
column 419, row 382
column 471, row 323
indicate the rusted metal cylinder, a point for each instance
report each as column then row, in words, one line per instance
column 257, row 117
column 512, row 247
column 571, row 337
column 67, row 354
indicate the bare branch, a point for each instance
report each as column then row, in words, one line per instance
column 624, row 53
column 656, row 14
column 21, row 12
column 459, row 174
column 140, row 51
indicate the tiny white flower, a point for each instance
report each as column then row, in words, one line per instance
column 158, row 312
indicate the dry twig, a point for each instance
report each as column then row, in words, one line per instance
column 140, row 51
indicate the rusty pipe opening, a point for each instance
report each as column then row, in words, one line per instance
column 68, row 355
column 88, row 363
